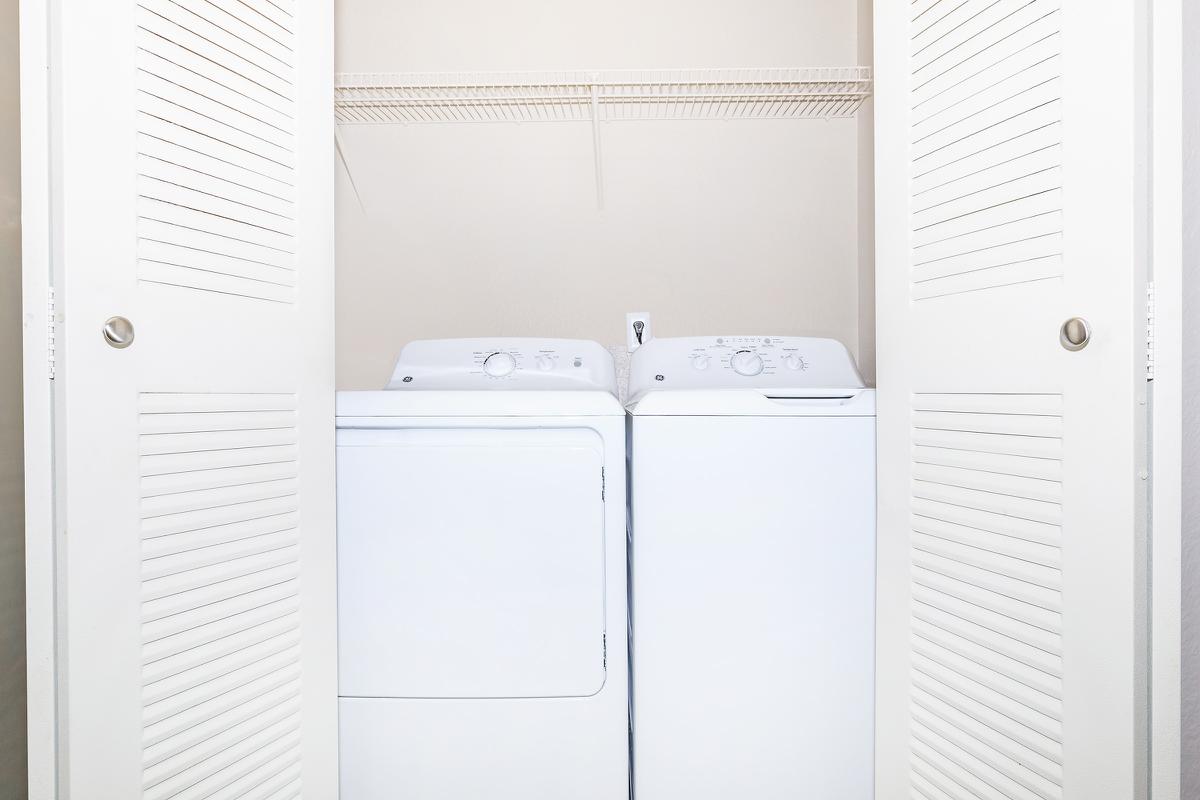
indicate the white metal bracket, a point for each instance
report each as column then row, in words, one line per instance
column 341, row 154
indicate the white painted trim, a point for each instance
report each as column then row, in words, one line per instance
column 1167, row 398
column 36, row 254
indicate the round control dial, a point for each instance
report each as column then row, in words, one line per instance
column 499, row 365
column 746, row 362
column 700, row 362
column 545, row 363
column 795, row 362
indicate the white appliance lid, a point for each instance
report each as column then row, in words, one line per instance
column 504, row 364
column 745, row 374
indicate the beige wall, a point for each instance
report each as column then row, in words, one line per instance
column 12, row 529
column 713, row 227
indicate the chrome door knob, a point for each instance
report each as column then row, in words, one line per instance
column 118, row 332
column 1075, row 334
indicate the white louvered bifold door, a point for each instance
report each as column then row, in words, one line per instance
column 1011, row 519
column 192, row 184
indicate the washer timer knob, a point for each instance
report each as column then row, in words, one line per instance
column 499, row 365
column 746, row 362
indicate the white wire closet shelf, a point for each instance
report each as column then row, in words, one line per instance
column 601, row 96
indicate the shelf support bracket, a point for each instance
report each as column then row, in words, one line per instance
column 341, row 154
column 597, row 151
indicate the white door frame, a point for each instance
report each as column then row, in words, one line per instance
column 38, row 263
column 1166, row 397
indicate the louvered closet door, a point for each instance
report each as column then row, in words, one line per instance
column 195, row 467
column 1009, row 639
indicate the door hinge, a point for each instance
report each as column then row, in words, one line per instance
column 603, row 485
column 1150, row 331
column 50, row 329
column 604, row 644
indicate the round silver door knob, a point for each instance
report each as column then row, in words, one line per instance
column 118, row 332
column 1075, row 334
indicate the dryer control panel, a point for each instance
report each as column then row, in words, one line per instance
column 504, row 364
column 788, row 366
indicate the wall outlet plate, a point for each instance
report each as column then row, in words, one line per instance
column 637, row 329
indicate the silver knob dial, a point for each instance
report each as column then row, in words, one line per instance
column 499, row 365
column 746, row 362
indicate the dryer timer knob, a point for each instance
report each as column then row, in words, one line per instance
column 499, row 365
column 746, row 362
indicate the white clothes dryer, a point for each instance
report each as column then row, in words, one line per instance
column 753, row 564
column 482, row 576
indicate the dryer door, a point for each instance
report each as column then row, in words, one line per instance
column 470, row 563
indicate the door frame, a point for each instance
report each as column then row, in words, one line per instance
column 38, row 265
column 1166, row 397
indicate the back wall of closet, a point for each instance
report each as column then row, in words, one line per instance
column 757, row 226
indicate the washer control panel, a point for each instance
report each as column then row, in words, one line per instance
column 504, row 364
column 786, row 365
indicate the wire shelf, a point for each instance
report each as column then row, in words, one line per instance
column 601, row 96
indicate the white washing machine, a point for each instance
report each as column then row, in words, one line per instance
column 753, row 564
column 482, row 576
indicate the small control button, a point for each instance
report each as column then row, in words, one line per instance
column 499, row 365
column 545, row 363
column 746, row 362
column 700, row 362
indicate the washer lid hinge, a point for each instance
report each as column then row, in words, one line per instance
column 603, row 486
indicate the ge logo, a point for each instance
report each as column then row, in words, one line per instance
column 408, row 378
column 659, row 378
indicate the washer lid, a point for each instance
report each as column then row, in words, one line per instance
column 504, row 365
column 771, row 375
